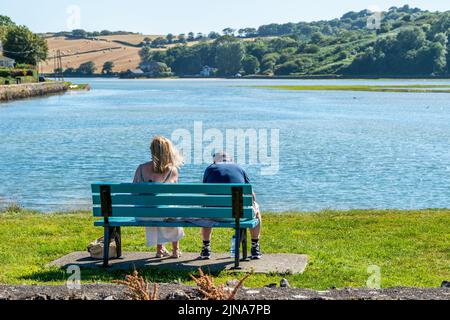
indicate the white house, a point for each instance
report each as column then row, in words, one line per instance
column 5, row 62
column 207, row 71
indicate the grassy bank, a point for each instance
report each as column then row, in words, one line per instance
column 77, row 86
column 367, row 88
column 410, row 247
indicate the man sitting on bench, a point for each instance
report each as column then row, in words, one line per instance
column 223, row 170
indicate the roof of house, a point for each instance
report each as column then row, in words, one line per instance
column 136, row 71
column 5, row 58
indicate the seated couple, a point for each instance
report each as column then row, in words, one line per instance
column 163, row 168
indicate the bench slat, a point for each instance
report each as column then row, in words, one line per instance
column 173, row 212
column 132, row 222
column 184, row 188
column 165, row 199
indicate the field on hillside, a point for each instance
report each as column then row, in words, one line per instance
column 78, row 51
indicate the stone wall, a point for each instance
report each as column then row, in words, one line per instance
column 28, row 90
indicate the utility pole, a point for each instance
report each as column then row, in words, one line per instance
column 54, row 67
column 58, row 68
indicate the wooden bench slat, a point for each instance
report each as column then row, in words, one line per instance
column 132, row 222
column 183, row 188
column 166, row 199
column 173, row 212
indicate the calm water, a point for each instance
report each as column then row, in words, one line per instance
column 337, row 149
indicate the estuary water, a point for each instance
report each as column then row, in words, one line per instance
column 337, row 149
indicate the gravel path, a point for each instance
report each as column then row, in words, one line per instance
column 176, row 291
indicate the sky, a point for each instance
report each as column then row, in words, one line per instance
column 183, row 16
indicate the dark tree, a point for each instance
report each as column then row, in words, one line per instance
column 170, row 38
column 87, row 68
column 250, row 65
column 24, row 46
column 229, row 57
column 108, row 67
column 79, row 33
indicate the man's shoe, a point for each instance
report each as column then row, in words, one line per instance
column 206, row 252
column 255, row 251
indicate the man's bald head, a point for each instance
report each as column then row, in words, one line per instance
column 222, row 156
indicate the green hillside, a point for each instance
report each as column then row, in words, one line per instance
column 409, row 42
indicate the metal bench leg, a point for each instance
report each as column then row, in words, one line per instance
column 244, row 244
column 236, row 249
column 118, row 240
column 106, row 240
column 238, row 212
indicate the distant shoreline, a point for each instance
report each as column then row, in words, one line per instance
column 320, row 77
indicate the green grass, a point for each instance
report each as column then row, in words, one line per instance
column 369, row 88
column 79, row 86
column 412, row 248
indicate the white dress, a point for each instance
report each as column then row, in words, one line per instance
column 157, row 235
column 161, row 235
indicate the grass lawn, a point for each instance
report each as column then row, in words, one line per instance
column 368, row 88
column 412, row 248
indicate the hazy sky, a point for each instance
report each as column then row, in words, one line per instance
column 182, row 16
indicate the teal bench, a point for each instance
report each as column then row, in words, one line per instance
column 122, row 204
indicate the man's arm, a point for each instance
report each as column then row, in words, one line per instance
column 205, row 175
column 247, row 180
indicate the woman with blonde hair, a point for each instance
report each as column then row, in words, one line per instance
column 163, row 168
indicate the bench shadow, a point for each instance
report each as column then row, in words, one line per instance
column 91, row 270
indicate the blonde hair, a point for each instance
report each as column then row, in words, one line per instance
column 164, row 155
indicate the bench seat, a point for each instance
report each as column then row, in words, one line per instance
column 133, row 222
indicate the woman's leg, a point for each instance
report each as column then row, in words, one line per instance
column 175, row 246
column 176, row 253
column 161, row 251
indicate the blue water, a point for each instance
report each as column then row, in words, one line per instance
column 338, row 150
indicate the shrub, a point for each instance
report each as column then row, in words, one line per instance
column 211, row 291
column 138, row 287
column 5, row 73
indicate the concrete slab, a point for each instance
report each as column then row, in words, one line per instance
column 270, row 263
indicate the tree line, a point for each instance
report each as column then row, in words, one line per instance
column 83, row 34
column 88, row 68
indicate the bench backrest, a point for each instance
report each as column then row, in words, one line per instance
column 174, row 200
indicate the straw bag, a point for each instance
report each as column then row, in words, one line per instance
column 95, row 248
